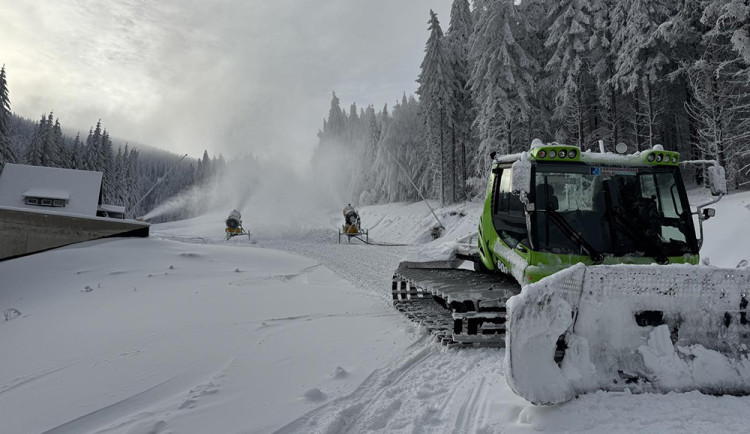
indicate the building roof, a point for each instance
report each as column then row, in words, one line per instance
column 47, row 193
column 80, row 188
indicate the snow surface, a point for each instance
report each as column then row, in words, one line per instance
column 185, row 333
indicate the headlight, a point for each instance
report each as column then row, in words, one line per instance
column 659, row 158
column 562, row 153
column 651, row 158
column 552, row 153
column 674, row 159
column 541, row 154
column 572, row 154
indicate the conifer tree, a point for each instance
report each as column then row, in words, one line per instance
column 93, row 145
column 435, row 91
column 641, row 63
column 503, row 79
column 35, row 155
column 6, row 147
column 336, row 125
column 568, row 38
column 458, row 38
column 603, row 52
column 76, row 153
column 62, row 154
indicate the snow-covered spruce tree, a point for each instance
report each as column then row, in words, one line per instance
column 721, row 91
column 105, row 164
column 463, row 143
column 539, row 122
column 404, row 139
column 49, row 146
column 603, row 53
column 682, row 32
column 641, row 63
column 436, row 95
column 370, row 193
column 569, row 36
column 133, row 181
column 502, row 81
column 35, row 155
column 6, row 148
column 61, row 151
column 76, row 153
column 336, row 126
column 93, row 143
column 338, row 156
column 353, row 131
column 118, row 177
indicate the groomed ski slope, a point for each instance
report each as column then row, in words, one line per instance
column 184, row 333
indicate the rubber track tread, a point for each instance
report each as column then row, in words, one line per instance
column 449, row 300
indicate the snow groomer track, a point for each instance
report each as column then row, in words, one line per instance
column 456, row 305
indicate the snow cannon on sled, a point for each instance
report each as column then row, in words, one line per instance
column 607, row 292
column 352, row 226
column 234, row 226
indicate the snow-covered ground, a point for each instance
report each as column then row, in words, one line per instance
column 185, row 333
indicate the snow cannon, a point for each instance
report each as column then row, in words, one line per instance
column 234, row 226
column 352, row 227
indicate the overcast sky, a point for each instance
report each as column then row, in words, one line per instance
column 230, row 76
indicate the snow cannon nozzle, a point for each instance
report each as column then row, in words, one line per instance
column 234, row 221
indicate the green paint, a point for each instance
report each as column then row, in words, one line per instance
column 538, row 264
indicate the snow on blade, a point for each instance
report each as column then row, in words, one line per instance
column 641, row 328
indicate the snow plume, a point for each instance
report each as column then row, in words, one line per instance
column 230, row 188
column 273, row 198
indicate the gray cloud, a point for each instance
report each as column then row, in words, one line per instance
column 230, row 76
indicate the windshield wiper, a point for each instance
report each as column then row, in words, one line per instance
column 640, row 238
column 574, row 236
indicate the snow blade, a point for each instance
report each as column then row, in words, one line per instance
column 644, row 328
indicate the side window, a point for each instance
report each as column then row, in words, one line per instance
column 508, row 202
column 648, row 187
column 509, row 218
column 671, row 205
column 496, row 195
column 505, row 183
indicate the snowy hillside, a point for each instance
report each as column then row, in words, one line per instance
column 184, row 333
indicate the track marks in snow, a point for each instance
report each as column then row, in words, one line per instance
column 431, row 389
column 281, row 278
column 368, row 268
column 150, row 411
column 30, row 379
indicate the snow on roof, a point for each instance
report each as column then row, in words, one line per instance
column 82, row 187
column 112, row 208
column 46, row 193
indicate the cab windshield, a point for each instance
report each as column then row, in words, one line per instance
column 633, row 211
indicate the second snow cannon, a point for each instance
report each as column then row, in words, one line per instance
column 234, row 226
column 604, row 253
column 352, row 226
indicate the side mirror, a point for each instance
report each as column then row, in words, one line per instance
column 717, row 180
column 521, row 180
column 708, row 213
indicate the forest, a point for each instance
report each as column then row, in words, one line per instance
column 638, row 72
column 128, row 172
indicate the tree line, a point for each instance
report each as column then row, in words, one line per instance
column 127, row 172
column 638, row 72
